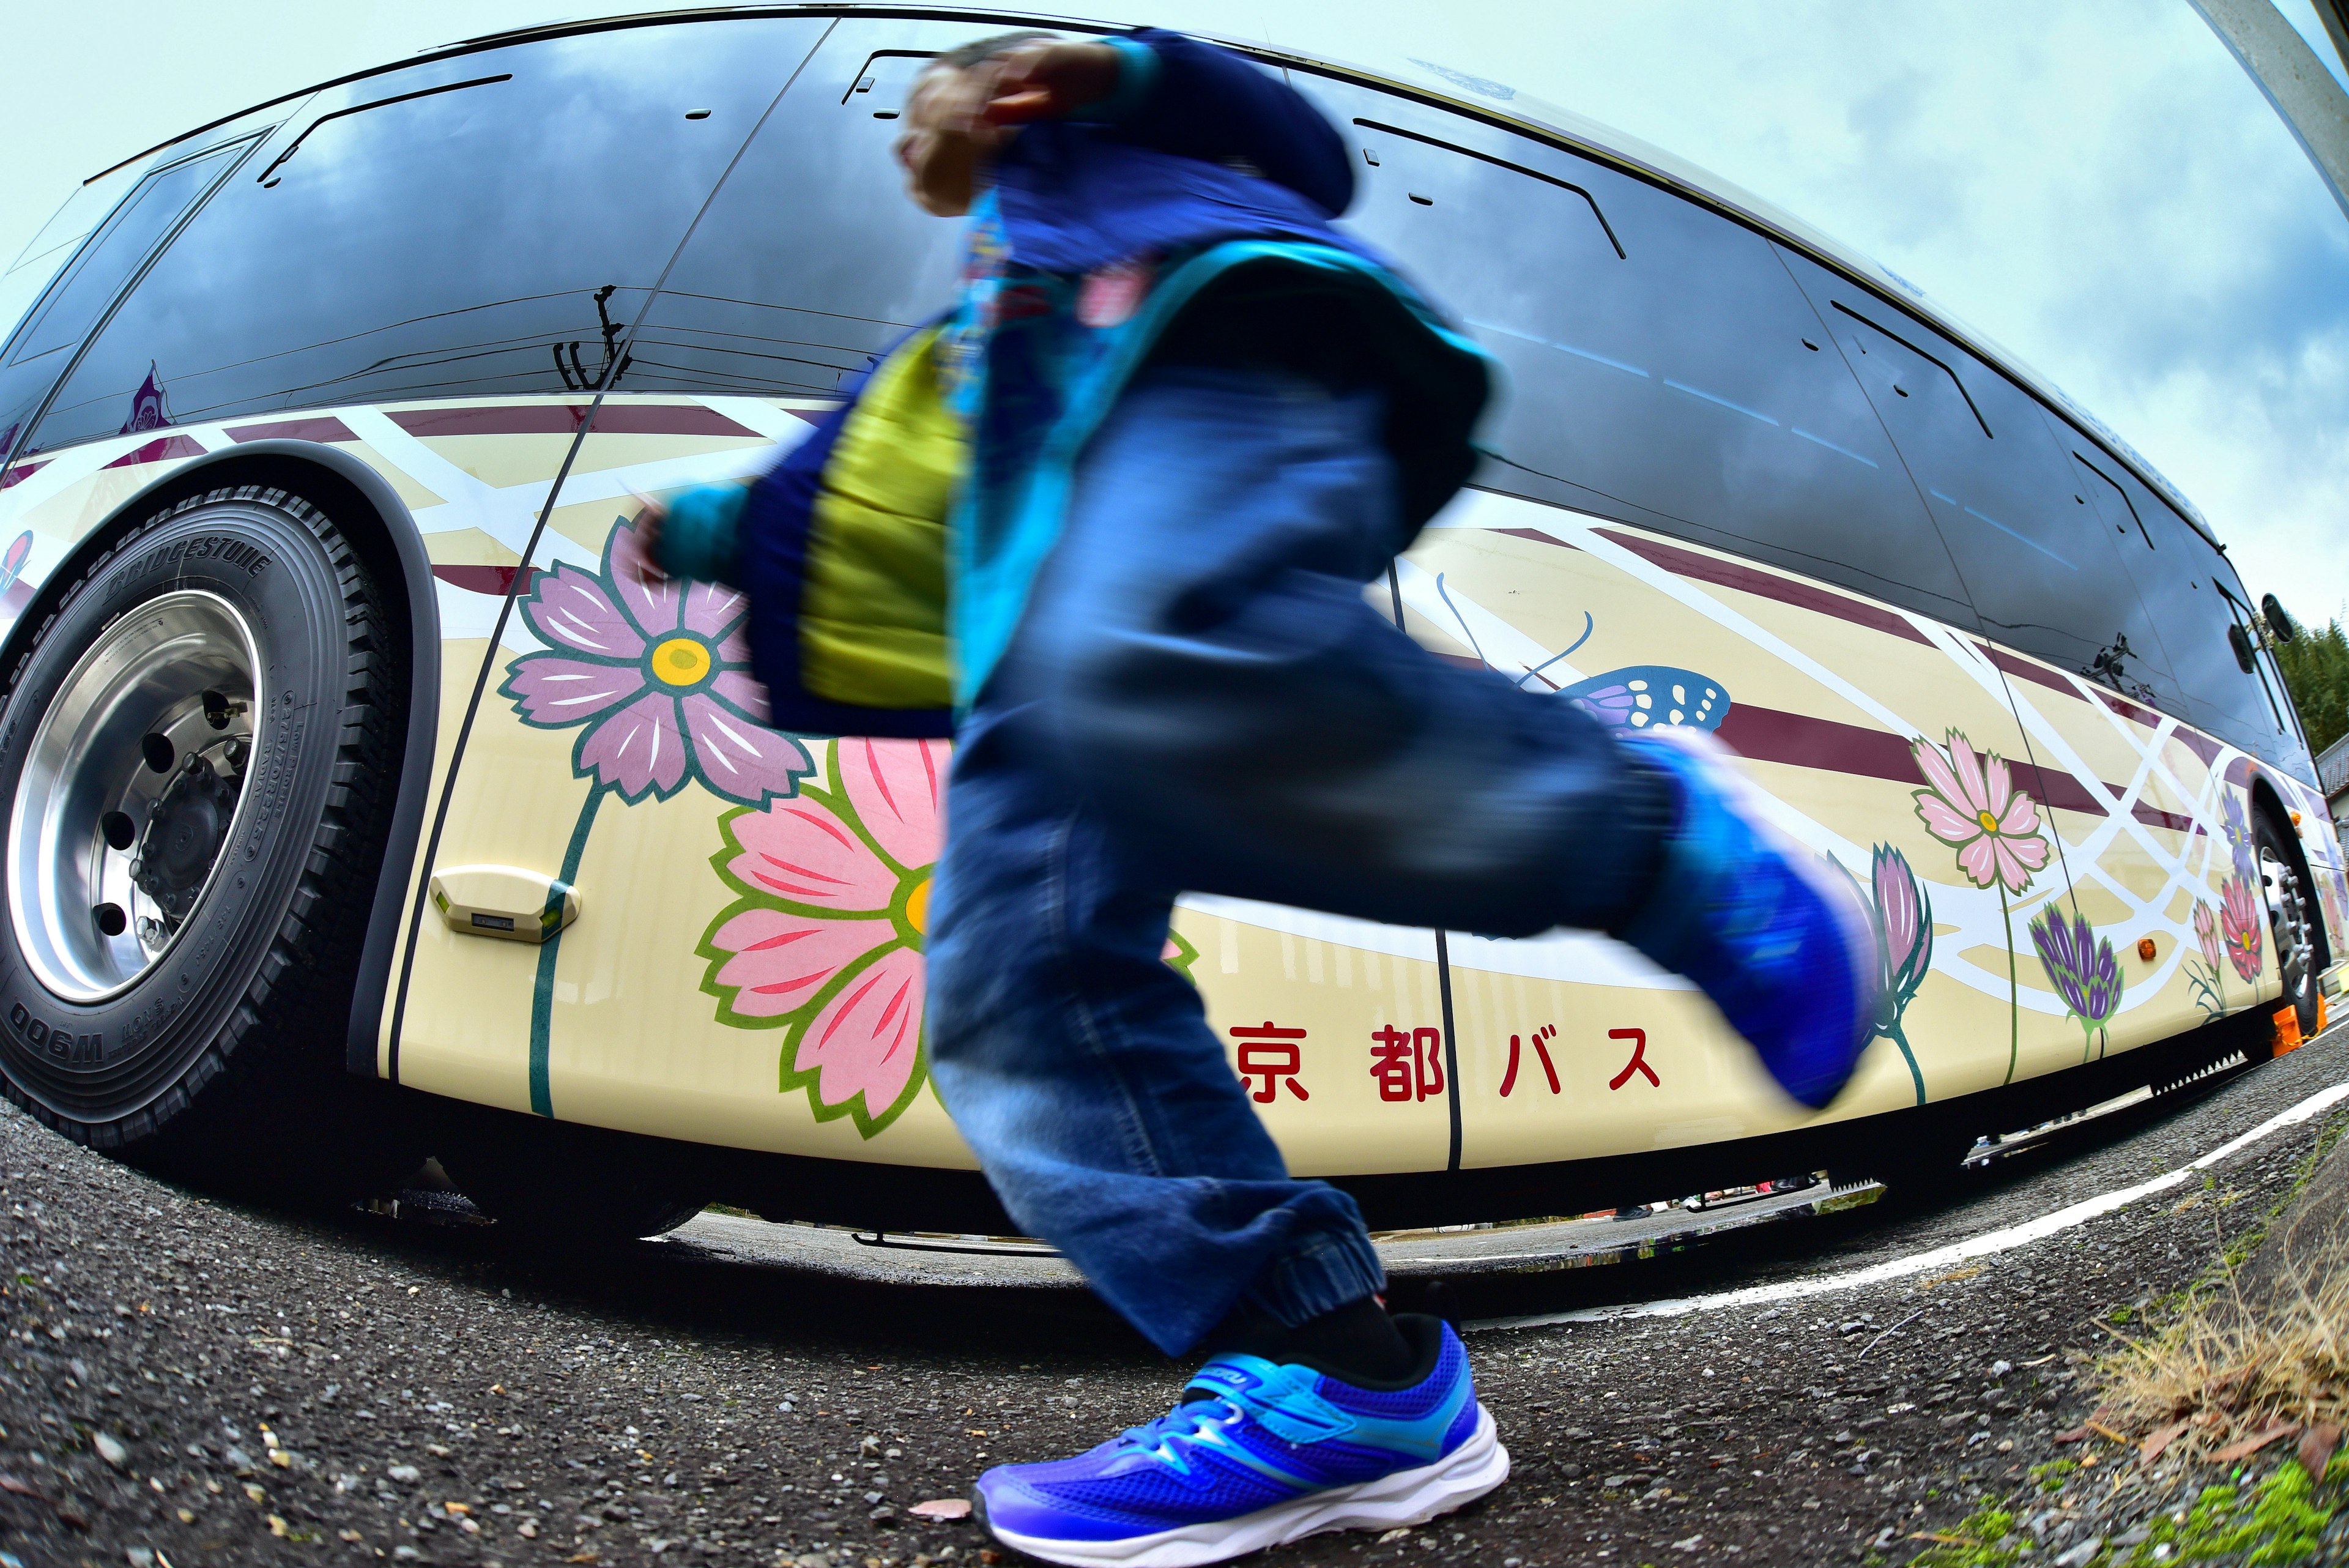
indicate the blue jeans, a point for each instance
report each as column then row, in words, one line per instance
column 1199, row 698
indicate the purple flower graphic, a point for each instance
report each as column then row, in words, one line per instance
column 1904, row 928
column 2235, row 826
column 2087, row 975
column 658, row 672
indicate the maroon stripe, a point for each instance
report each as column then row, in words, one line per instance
column 526, row 419
column 666, row 418
column 21, row 473
column 496, row 581
column 1798, row 740
column 2200, row 744
column 1767, row 734
column 1538, row 536
column 1766, row 585
column 2023, row 668
column 325, row 427
column 2060, row 792
column 1771, row 735
column 157, row 452
column 2130, row 710
column 564, row 419
column 2154, row 816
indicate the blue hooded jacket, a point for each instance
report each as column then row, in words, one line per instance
column 1202, row 179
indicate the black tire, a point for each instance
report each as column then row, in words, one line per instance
column 223, row 1060
column 2291, row 919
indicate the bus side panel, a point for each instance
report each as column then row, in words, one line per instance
column 1569, row 1045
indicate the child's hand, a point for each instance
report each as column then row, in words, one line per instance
column 1047, row 80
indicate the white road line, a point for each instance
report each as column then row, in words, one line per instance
column 1980, row 1246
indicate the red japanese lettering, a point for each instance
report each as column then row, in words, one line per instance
column 1409, row 1065
column 1270, row 1053
column 1541, row 1037
column 1639, row 1061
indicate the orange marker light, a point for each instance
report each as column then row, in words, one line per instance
column 2145, row 949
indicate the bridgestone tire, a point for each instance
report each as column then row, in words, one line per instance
column 223, row 1060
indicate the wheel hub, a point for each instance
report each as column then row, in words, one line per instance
column 2287, row 918
column 183, row 835
column 130, row 792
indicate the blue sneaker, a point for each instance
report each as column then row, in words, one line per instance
column 1272, row 1454
column 1773, row 933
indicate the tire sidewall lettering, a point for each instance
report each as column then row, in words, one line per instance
column 102, row 1062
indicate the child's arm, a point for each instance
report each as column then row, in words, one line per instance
column 1178, row 95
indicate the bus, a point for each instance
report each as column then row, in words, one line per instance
column 364, row 807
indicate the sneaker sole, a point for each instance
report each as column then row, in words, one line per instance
column 1406, row 1496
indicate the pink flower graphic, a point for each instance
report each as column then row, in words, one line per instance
column 825, row 939
column 2242, row 926
column 1970, row 804
column 1903, row 912
column 2209, row 991
column 2206, row 934
column 658, row 671
column 1973, row 806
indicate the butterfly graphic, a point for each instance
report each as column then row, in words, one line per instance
column 1640, row 695
column 13, row 561
column 1636, row 697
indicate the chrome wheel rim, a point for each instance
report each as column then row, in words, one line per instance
column 2287, row 918
column 132, row 788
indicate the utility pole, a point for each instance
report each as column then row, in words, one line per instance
column 2294, row 81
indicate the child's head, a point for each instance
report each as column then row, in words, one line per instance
column 971, row 98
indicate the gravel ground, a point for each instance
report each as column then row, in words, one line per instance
column 187, row 1381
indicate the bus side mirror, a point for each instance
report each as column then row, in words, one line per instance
column 2241, row 641
column 2278, row 622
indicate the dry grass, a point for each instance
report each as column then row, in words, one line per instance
column 2266, row 1348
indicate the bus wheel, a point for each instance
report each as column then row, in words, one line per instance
column 197, row 755
column 2288, row 919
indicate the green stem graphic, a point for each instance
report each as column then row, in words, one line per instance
column 1901, row 1039
column 2014, row 989
column 542, row 997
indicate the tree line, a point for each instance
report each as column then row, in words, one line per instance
column 2315, row 666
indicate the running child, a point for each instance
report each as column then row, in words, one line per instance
column 1109, row 524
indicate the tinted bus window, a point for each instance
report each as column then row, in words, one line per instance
column 1662, row 366
column 810, row 260
column 2186, row 598
column 39, row 351
column 58, row 241
column 2037, row 556
column 463, row 228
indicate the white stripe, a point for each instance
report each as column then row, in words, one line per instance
column 2013, row 1236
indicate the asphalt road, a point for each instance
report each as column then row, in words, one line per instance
column 189, row 1381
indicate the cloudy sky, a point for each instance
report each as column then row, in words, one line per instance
column 2094, row 184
